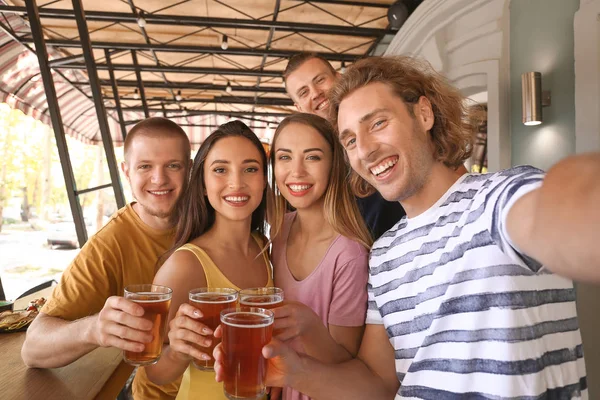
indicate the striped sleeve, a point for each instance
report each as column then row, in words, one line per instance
column 510, row 186
column 373, row 314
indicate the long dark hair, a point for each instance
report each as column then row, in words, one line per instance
column 193, row 214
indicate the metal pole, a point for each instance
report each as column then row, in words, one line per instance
column 140, row 83
column 55, row 117
column 116, row 96
column 99, row 103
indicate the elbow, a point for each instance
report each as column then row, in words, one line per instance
column 27, row 354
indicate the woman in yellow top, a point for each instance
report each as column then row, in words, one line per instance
column 218, row 243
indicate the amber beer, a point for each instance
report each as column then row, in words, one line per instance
column 156, row 301
column 245, row 331
column 211, row 301
column 262, row 297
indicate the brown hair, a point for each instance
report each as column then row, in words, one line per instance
column 453, row 129
column 193, row 214
column 340, row 208
column 297, row 60
column 156, row 127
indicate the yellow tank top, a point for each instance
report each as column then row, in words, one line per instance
column 198, row 384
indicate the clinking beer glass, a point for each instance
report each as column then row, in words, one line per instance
column 211, row 301
column 245, row 331
column 155, row 300
column 262, row 297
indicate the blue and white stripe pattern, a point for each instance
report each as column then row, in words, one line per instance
column 467, row 314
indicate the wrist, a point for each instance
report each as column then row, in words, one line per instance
column 176, row 356
column 89, row 330
column 301, row 376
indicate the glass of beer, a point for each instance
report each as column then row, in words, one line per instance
column 211, row 301
column 245, row 331
column 263, row 297
column 156, row 301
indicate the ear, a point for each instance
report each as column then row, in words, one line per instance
column 424, row 113
column 298, row 107
column 125, row 169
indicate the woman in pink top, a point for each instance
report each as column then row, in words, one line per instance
column 320, row 250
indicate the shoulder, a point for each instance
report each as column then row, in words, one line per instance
column 346, row 251
column 181, row 264
column 118, row 228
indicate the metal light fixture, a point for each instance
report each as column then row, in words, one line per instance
column 343, row 69
column 533, row 98
column 228, row 88
column 224, row 43
column 178, row 96
column 136, row 94
column 141, row 21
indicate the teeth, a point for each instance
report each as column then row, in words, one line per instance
column 323, row 105
column 299, row 188
column 160, row 193
column 383, row 167
column 237, row 199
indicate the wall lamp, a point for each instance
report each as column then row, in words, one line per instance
column 533, row 98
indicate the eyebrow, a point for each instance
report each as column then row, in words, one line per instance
column 151, row 161
column 362, row 120
column 246, row 161
column 305, row 151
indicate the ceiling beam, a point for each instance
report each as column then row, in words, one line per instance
column 191, row 113
column 170, row 48
column 349, row 3
column 180, row 70
column 186, row 85
column 260, row 101
column 186, row 20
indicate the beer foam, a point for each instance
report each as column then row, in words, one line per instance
column 248, row 301
column 261, row 316
column 200, row 300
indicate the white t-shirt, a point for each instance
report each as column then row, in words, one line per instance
column 468, row 314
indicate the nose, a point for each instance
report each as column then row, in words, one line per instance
column 365, row 147
column 298, row 168
column 316, row 92
column 236, row 180
column 159, row 177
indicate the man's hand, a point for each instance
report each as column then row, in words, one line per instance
column 120, row 324
column 293, row 320
column 284, row 364
column 185, row 332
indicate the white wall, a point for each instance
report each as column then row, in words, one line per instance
column 467, row 41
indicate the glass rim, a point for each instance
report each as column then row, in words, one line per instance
column 261, row 291
column 148, row 288
column 268, row 315
column 193, row 294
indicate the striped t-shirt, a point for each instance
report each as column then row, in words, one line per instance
column 468, row 315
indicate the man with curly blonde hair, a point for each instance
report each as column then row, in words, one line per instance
column 470, row 295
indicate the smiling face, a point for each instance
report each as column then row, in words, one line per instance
column 308, row 86
column 156, row 168
column 385, row 144
column 233, row 178
column 303, row 161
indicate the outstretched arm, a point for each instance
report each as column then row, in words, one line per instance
column 371, row 376
column 558, row 224
column 53, row 342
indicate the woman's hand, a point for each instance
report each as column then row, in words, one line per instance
column 186, row 333
column 294, row 320
column 284, row 364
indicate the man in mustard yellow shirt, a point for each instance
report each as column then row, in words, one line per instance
column 87, row 310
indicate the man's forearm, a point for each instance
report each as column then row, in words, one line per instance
column 567, row 219
column 53, row 342
column 351, row 380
